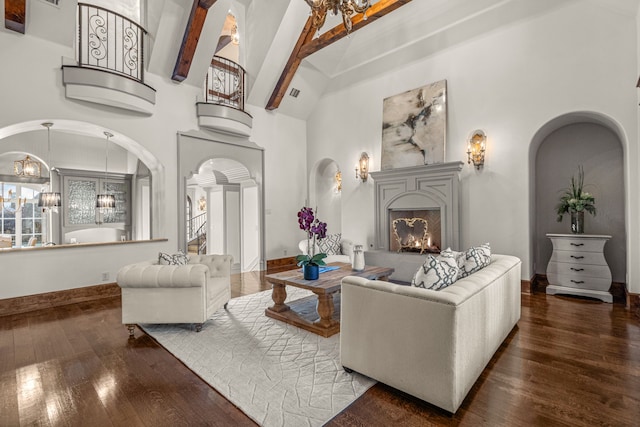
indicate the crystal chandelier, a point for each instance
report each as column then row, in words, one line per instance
column 27, row 168
column 106, row 201
column 319, row 9
column 49, row 199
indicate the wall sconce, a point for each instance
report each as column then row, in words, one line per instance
column 362, row 168
column 476, row 148
column 202, row 203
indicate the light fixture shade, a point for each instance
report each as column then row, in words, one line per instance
column 48, row 199
column 105, row 201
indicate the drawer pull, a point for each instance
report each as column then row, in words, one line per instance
column 577, row 257
column 577, row 269
column 577, row 281
column 577, row 244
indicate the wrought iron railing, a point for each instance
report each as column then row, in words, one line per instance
column 224, row 84
column 195, row 224
column 110, row 41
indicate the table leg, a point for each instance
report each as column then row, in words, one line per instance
column 278, row 295
column 325, row 310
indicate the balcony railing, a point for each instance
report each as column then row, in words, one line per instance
column 110, row 41
column 224, row 84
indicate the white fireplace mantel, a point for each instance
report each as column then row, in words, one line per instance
column 418, row 187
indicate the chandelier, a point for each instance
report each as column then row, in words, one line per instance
column 105, row 201
column 27, row 167
column 319, row 9
column 49, row 199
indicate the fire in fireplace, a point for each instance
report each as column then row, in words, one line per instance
column 416, row 230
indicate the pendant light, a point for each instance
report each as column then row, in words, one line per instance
column 106, row 201
column 49, row 199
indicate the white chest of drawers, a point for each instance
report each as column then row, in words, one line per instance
column 578, row 267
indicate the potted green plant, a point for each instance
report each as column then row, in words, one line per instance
column 576, row 202
column 315, row 230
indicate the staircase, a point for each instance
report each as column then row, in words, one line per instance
column 197, row 234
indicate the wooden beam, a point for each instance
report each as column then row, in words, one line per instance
column 15, row 15
column 292, row 66
column 375, row 12
column 307, row 46
column 190, row 39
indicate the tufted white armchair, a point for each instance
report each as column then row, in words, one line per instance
column 153, row 293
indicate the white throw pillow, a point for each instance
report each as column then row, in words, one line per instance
column 176, row 259
column 436, row 272
column 330, row 245
column 473, row 259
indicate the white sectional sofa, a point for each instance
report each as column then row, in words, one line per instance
column 345, row 255
column 153, row 293
column 431, row 344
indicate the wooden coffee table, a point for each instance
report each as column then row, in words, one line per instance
column 319, row 313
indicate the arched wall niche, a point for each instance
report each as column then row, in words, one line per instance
column 599, row 144
column 324, row 197
column 156, row 169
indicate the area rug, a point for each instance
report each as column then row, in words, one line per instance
column 277, row 374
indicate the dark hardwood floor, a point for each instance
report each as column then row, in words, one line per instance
column 568, row 362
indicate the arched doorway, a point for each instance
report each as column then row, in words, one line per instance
column 594, row 142
column 230, row 176
column 231, row 216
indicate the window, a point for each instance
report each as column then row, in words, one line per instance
column 20, row 220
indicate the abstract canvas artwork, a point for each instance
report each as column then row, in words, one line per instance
column 414, row 124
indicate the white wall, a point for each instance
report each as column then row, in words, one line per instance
column 508, row 82
column 284, row 140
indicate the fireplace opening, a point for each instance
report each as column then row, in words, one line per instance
column 415, row 230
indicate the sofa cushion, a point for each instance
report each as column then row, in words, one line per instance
column 330, row 245
column 473, row 259
column 437, row 272
column 179, row 258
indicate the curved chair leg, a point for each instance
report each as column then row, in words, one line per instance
column 225, row 305
column 131, row 327
column 198, row 327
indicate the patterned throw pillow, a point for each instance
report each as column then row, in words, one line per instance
column 437, row 272
column 176, row 259
column 474, row 259
column 330, row 245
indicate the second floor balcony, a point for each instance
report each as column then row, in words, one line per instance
column 110, row 62
column 224, row 92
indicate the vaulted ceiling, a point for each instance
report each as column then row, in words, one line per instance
column 270, row 29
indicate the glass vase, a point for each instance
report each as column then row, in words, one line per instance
column 577, row 222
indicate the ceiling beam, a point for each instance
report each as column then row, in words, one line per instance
column 375, row 12
column 306, row 45
column 15, row 15
column 190, row 39
column 292, row 66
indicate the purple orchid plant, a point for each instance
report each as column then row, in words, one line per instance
column 316, row 230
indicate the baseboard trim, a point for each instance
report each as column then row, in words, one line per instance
column 633, row 303
column 617, row 290
column 29, row 303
